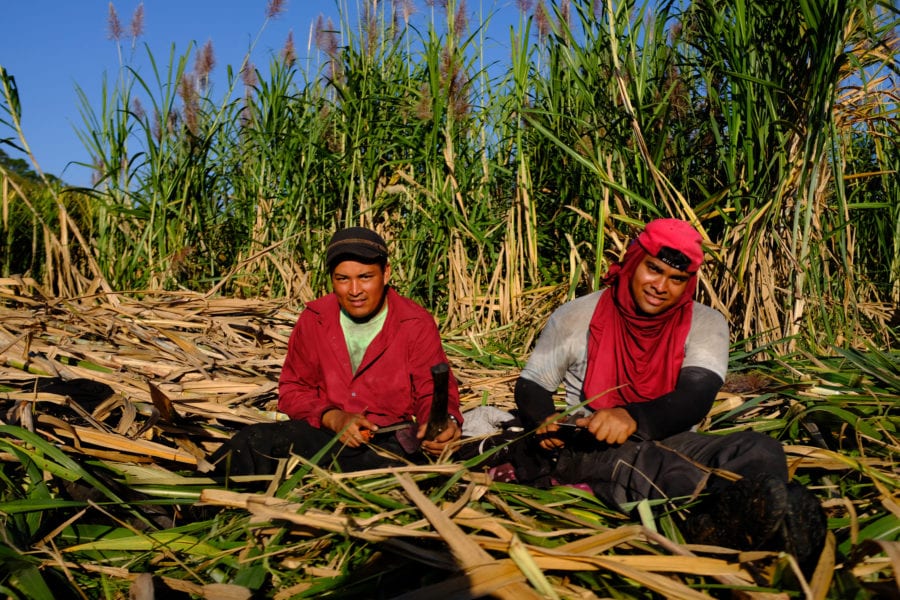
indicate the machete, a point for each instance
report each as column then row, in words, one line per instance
column 438, row 417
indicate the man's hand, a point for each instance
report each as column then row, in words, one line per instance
column 349, row 425
column 610, row 425
column 448, row 434
column 547, row 433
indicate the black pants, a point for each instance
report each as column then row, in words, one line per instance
column 673, row 468
column 256, row 449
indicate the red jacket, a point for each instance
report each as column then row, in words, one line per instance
column 393, row 382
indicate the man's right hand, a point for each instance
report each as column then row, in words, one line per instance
column 349, row 425
column 610, row 425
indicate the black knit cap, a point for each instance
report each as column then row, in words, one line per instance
column 355, row 243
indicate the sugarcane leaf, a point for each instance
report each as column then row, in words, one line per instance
column 30, row 582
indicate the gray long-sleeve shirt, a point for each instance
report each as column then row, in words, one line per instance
column 560, row 354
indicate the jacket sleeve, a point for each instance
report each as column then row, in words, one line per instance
column 680, row 409
column 300, row 388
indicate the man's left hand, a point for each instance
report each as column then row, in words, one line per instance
column 435, row 447
column 610, row 425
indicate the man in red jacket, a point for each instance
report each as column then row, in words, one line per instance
column 359, row 359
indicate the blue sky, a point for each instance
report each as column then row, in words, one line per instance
column 52, row 46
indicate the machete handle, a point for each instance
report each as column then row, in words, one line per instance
column 438, row 417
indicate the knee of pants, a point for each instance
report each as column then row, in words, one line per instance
column 759, row 453
column 761, row 444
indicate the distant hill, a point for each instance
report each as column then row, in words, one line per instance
column 20, row 168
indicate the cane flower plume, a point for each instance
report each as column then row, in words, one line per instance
column 288, row 51
column 274, row 8
column 137, row 22
column 113, row 24
column 204, row 64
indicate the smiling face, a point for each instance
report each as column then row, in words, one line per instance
column 360, row 288
column 656, row 287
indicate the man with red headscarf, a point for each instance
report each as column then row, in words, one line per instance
column 641, row 363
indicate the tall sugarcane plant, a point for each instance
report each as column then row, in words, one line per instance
column 505, row 185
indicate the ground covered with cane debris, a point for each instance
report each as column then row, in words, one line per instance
column 110, row 406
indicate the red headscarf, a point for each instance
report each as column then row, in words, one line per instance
column 641, row 353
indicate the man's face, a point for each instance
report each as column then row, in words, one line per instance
column 360, row 288
column 656, row 287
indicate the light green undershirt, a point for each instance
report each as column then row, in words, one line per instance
column 359, row 335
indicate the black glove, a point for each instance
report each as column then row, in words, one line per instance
column 255, row 449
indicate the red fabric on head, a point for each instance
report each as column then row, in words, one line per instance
column 676, row 234
column 641, row 353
